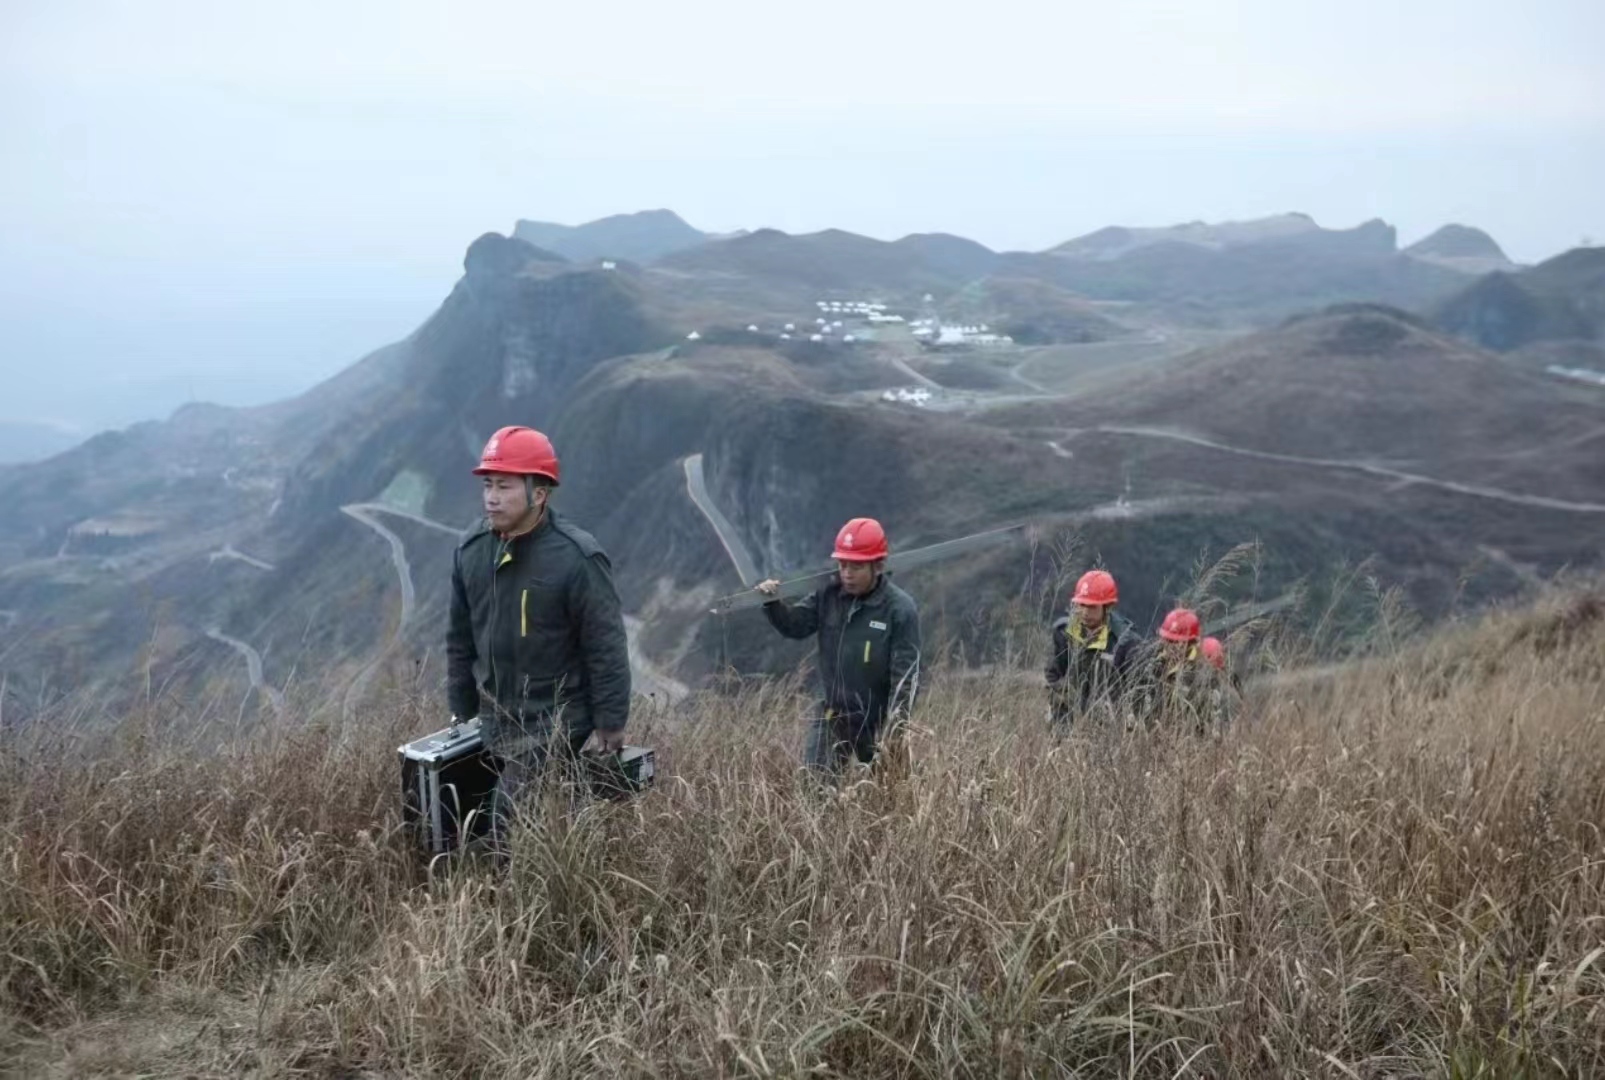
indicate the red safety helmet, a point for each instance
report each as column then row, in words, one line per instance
column 1095, row 587
column 1213, row 651
column 519, row 451
column 1180, row 625
column 861, row 540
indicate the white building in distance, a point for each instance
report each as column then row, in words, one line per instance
column 916, row 396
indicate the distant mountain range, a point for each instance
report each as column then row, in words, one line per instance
column 1174, row 395
column 1114, row 242
column 1460, row 247
column 1559, row 300
column 639, row 237
column 26, row 440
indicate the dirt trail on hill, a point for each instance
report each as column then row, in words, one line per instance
column 1542, row 502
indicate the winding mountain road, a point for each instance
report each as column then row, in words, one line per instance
column 228, row 551
column 1017, row 373
column 643, row 671
column 1542, row 502
column 696, row 485
column 364, row 512
column 644, row 674
column 253, row 666
column 924, row 380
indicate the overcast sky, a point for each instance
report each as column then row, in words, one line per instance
column 196, row 198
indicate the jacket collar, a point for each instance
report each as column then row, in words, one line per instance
column 875, row 598
column 1099, row 641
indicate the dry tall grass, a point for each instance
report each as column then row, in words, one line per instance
column 1394, row 871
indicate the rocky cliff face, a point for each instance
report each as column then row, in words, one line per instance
column 242, row 516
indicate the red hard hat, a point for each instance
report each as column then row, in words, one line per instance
column 861, row 540
column 1180, row 625
column 1213, row 651
column 1095, row 587
column 519, row 451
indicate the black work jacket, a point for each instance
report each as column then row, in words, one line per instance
column 869, row 647
column 1089, row 667
column 536, row 625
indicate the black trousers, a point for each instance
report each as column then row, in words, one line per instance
column 834, row 737
column 548, row 752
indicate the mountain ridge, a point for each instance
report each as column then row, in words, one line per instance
column 296, row 528
column 642, row 236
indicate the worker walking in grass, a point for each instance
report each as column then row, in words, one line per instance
column 1093, row 647
column 869, row 648
column 536, row 631
column 1214, row 651
column 1176, row 685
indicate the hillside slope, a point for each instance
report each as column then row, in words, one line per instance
column 311, row 539
column 1561, row 299
column 1383, row 868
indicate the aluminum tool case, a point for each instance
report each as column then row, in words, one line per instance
column 446, row 781
column 621, row 775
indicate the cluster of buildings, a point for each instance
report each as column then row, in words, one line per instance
column 862, row 308
column 930, row 332
column 917, row 396
column 978, row 335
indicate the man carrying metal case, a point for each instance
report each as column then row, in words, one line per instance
column 536, row 633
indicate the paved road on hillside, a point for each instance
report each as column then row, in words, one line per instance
column 1017, row 373
column 1542, row 502
column 644, row 673
column 365, row 513
column 381, row 508
column 924, row 380
column 227, row 551
column 696, row 485
column 253, row 666
column 645, row 676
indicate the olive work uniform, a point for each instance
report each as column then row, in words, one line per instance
column 537, row 631
column 1089, row 667
column 869, row 661
column 1180, row 693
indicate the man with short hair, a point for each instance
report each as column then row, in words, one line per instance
column 1093, row 648
column 536, row 629
column 869, row 648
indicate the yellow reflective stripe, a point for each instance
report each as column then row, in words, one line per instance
column 523, row 613
column 507, row 557
column 866, row 652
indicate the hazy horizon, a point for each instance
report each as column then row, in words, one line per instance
column 233, row 205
